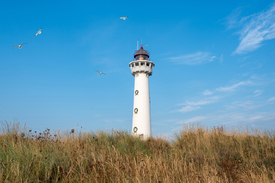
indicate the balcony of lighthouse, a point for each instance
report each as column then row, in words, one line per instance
column 141, row 66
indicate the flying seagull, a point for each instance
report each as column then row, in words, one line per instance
column 123, row 18
column 19, row 46
column 39, row 32
column 100, row 72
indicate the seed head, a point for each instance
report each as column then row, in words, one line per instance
column 22, row 135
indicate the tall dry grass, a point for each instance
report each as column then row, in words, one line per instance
column 197, row 154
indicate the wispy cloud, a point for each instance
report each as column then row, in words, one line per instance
column 229, row 107
column 192, row 120
column 206, row 101
column 243, row 59
column 271, row 99
column 231, row 119
column 212, row 58
column 241, row 118
column 114, row 120
column 255, row 29
column 221, row 58
column 257, row 93
column 233, row 87
column 233, row 19
column 207, row 92
column 248, row 105
column 193, row 59
column 191, row 106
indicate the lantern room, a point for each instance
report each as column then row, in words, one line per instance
column 141, row 54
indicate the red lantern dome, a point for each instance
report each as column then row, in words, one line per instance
column 141, row 54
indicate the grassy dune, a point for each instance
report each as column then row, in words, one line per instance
column 197, row 154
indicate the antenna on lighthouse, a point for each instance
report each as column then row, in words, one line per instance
column 141, row 43
column 147, row 47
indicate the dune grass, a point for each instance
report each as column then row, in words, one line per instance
column 197, row 154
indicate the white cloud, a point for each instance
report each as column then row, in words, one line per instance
column 221, row 58
column 256, row 28
column 98, row 115
column 244, row 58
column 114, row 120
column 207, row 92
column 192, row 120
column 233, row 19
column 248, row 105
column 246, row 74
column 206, row 101
column 189, row 108
column 257, row 93
column 229, row 107
column 254, row 118
column 212, row 58
column 233, row 87
column 271, row 99
column 232, row 118
column 193, row 59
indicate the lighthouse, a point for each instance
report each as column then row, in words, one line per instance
column 141, row 68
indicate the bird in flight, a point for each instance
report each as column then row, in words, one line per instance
column 39, row 32
column 123, row 18
column 19, row 46
column 100, row 72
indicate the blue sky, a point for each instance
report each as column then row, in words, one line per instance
column 214, row 63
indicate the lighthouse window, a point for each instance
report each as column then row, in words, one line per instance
column 142, row 63
column 137, row 64
column 147, row 64
column 136, row 110
column 132, row 65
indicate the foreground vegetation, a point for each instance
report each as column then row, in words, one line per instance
column 197, row 154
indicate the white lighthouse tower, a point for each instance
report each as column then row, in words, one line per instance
column 141, row 68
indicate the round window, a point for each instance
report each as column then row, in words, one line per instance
column 135, row 129
column 136, row 110
column 136, row 92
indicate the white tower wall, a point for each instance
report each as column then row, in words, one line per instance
column 142, row 118
column 141, row 70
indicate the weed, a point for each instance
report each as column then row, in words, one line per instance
column 197, row 154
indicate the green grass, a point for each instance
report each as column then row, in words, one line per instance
column 197, row 154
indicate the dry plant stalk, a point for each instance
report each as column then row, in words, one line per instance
column 196, row 154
